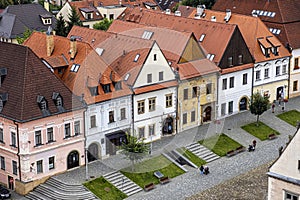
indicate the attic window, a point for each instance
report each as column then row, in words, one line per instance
column 136, row 57
column 118, row 85
column 126, row 77
column 47, row 21
column 147, row 35
column 202, row 37
column 275, row 31
column 75, row 68
column 3, row 100
column 99, row 51
column 58, row 101
column 106, row 88
column 210, row 56
column 3, row 73
column 94, row 91
column 43, row 104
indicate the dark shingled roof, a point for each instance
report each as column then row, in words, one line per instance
column 16, row 18
column 26, row 79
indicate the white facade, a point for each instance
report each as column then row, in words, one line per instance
column 271, row 78
column 234, row 92
column 294, row 88
column 111, row 12
column 95, row 133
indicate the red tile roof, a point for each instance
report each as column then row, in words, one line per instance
column 237, row 68
column 158, row 86
column 128, row 3
column 27, row 78
column 87, row 6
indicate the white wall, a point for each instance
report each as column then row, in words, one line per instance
column 108, row 10
column 294, row 74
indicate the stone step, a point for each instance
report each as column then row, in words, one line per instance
column 134, row 188
column 111, row 174
column 61, row 189
column 134, row 192
column 65, row 186
column 212, row 159
column 121, row 183
column 34, row 196
column 201, row 151
column 59, row 192
column 115, row 177
column 193, row 145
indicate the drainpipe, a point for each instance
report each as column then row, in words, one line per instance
column 85, row 147
column 289, row 76
column 198, row 121
column 18, row 154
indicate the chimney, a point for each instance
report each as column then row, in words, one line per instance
column 46, row 5
column 177, row 13
column 168, row 11
column 49, row 41
column 73, row 46
column 228, row 15
column 213, row 19
column 120, row 2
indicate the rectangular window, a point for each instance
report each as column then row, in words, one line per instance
column 161, row 76
column 230, row 63
column 230, row 107
column 208, row 88
column 231, row 82
column 245, row 78
column 2, row 160
column 277, row 70
column 152, row 104
column 195, row 92
column 193, row 116
column 13, row 139
column 15, row 167
column 111, row 16
column 240, row 59
column 149, row 78
column 106, row 88
column 151, row 129
column 296, row 63
column 141, row 107
column 257, row 75
column 93, row 121
column 38, row 138
column 67, row 130
column 50, row 137
column 39, row 166
column 154, row 57
column 267, row 73
column 283, row 69
column 224, row 84
column 1, row 135
column 123, row 113
column 51, row 163
column 111, row 116
column 298, row 164
column 223, row 108
column 184, row 118
column 185, row 94
column 295, row 86
column 76, row 127
column 168, row 100
column 141, row 132
column 290, row 196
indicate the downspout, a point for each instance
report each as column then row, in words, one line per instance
column 18, row 154
column 85, row 147
column 289, row 76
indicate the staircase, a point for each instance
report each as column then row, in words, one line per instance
column 123, row 183
column 202, row 152
column 55, row 189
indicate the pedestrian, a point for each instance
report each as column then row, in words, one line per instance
column 273, row 107
column 254, row 144
column 206, row 170
column 201, row 169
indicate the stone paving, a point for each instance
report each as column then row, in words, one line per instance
column 221, row 170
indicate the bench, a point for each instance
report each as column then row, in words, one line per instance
column 164, row 180
column 240, row 149
column 272, row 136
column 149, row 187
column 230, row 153
column 158, row 174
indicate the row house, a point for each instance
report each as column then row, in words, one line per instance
column 197, row 75
column 83, row 71
column 144, row 68
column 41, row 121
column 282, row 19
column 223, row 44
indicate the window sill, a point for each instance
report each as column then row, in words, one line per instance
column 111, row 122
column 78, row 134
column 50, row 142
column 2, row 142
column 66, row 138
column 267, row 77
column 38, row 145
column 13, row 146
column 123, row 119
column 258, row 80
column 93, row 127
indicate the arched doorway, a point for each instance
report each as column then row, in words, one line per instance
column 243, row 103
column 93, row 152
column 73, row 160
column 168, row 125
column 279, row 94
column 207, row 114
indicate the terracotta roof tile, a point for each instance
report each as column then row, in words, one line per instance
column 89, row 7
column 237, row 68
column 127, row 3
column 159, row 86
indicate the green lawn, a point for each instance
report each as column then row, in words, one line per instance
column 290, row 117
column 192, row 157
column 220, row 144
column 104, row 190
column 143, row 173
column 262, row 131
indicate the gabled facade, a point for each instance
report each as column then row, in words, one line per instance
column 283, row 175
column 41, row 122
column 13, row 25
column 108, row 99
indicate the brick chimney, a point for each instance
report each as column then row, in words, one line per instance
column 73, row 46
column 49, row 41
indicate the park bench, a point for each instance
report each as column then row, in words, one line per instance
column 272, row 136
column 240, row 149
column 164, row 180
column 230, row 153
column 149, row 187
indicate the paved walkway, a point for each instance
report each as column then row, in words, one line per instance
column 222, row 169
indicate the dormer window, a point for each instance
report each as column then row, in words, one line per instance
column 265, row 46
column 43, row 104
column 94, row 91
column 3, row 99
column 3, row 73
column 87, row 12
column 106, row 88
column 46, row 19
column 75, row 68
column 58, row 101
column 118, row 85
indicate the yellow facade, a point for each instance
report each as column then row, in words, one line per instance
column 273, row 90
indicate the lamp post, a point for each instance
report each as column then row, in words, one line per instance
column 151, row 144
column 86, row 164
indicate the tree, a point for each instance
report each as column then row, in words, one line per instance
column 103, row 25
column 61, row 28
column 134, row 149
column 74, row 19
column 194, row 3
column 26, row 35
column 258, row 105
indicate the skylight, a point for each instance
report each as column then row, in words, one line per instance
column 263, row 13
column 75, row 67
column 275, row 31
column 99, row 51
column 210, row 56
column 147, row 35
column 136, row 57
column 126, row 77
column 202, row 37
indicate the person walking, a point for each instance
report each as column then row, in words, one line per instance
column 273, row 107
column 201, row 169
